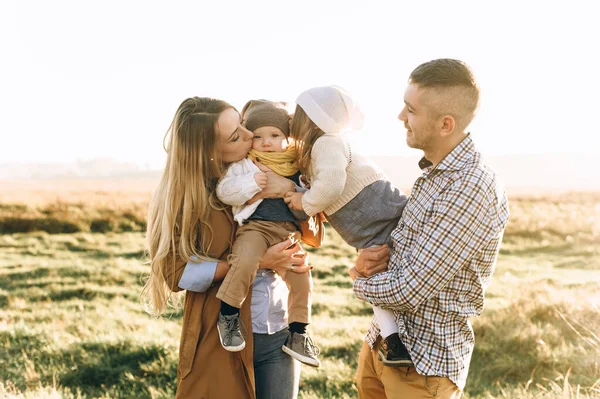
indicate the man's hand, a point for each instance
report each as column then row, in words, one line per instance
column 354, row 274
column 261, row 179
column 371, row 261
column 294, row 200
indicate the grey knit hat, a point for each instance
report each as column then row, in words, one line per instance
column 259, row 113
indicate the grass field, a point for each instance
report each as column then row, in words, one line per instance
column 71, row 325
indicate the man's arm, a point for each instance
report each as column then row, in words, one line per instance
column 459, row 227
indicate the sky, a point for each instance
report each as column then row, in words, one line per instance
column 83, row 80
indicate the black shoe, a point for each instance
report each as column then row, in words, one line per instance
column 393, row 353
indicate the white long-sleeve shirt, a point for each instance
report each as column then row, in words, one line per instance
column 237, row 187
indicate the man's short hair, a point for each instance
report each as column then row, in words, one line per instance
column 454, row 85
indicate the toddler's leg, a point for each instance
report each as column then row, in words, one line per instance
column 300, row 297
column 386, row 321
column 392, row 351
column 248, row 249
column 299, row 344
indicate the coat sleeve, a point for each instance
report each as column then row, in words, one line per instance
column 238, row 184
column 180, row 274
column 173, row 267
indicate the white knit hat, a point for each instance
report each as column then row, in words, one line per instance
column 331, row 108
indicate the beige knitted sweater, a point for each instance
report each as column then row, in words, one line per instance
column 336, row 175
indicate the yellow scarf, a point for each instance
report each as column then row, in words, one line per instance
column 282, row 163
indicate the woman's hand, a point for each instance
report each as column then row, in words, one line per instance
column 370, row 261
column 284, row 257
column 275, row 187
column 294, row 200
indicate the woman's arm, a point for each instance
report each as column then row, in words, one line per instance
column 286, row 256
column 199, row 276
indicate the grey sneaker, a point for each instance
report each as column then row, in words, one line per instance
column 230, row 332
column 302, row 348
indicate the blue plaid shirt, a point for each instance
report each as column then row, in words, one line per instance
column 443, row 256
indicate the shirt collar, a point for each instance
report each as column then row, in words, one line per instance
column 455, row 160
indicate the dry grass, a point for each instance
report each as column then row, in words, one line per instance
column 71, row 325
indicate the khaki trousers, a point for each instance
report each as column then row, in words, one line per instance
column 376, row 381
column 251, row 243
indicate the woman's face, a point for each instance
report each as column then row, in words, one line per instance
column 234, row 139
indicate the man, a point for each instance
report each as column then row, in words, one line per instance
column 444, row 248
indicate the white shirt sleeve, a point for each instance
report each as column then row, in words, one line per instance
column 198, row 276
column 238, row 184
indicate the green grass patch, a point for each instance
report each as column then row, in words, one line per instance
column 71, row 325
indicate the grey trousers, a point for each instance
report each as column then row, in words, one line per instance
column 369, row 218
column 277, row 374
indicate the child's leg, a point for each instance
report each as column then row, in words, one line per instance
column 386, row 321
column 251, row 242
column 248, row 249
column 392, row 351
column 299, row 344
column 300, row 297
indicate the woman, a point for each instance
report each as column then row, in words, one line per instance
column 187, row 223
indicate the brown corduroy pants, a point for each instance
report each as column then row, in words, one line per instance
column 376, row 381
column 251, row 243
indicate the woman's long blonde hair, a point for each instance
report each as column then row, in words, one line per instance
column 305, row 133
column 180, row 207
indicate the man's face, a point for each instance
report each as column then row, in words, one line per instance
column 418, row 118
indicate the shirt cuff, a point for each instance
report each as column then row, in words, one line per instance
column 198, row 276
column 359, row 288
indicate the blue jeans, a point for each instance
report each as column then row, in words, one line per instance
column 277, row 375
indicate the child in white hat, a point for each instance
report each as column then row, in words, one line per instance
column 360, row 203
column 263, row 223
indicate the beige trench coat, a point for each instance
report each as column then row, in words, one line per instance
column 205, row 369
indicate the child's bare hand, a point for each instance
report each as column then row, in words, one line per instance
column 294, row 200
column 261, row 179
